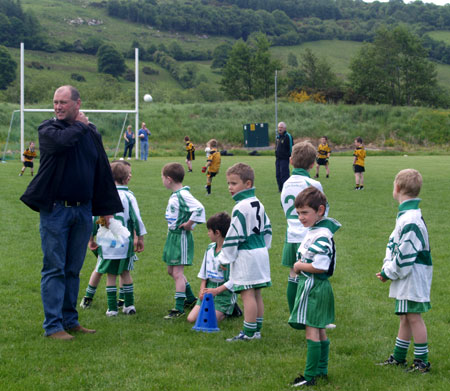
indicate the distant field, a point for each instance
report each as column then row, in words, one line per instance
column 147, row 353
column 442, row 35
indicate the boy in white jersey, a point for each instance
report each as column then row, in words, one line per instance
column 182, row 213
column 302, row 159
column 118, row 261
column 314, row 303
column 246, row 249
column 408, row 265
column 215, row 277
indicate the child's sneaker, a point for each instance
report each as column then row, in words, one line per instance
column 86, row 302
column 240, row 337
column 190, row 304
column 130, row 310
column 419, row 366
column 120, row 303
column 330, row 326
column 257, row 335
column 174, row 314
column 111, row 313
column 302, row 382
column 392, row 361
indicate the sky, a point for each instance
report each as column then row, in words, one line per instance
column 437, row 2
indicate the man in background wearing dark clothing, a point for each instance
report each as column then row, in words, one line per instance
column 283, row 151
column 74, row 182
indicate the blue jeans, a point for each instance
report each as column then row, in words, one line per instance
column 65, row 234
column 144, row 150
column 282, row 172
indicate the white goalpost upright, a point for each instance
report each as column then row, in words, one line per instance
column 23, row 110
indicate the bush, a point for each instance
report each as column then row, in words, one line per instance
column 77, row 77
column 150, row 71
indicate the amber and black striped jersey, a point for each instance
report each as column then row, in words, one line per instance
column 323, row 151
column 190, row 150
column 360, row 155
column 29, row 155
column 214, row 160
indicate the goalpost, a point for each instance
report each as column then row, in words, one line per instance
column 24, row 110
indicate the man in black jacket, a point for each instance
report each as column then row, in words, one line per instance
column 74, row 182
column 283, row 151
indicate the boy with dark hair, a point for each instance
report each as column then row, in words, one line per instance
column 314, row 303
column 408, row 266
column 215, row 277
column 245, row 249
column 183, row 212
column 358, row 163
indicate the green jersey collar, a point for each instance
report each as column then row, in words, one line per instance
column 327, row 222
column 122, row 187
column 183, row 188
column 243, row 194
column 300, row 171
column 412, row 203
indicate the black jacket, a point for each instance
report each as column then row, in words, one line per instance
column 55, row 138
column 283, row 146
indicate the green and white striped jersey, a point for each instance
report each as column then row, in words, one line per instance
column 408, row 258
column 183, row 206
column 298, row 181
column 317, row 247
column 247, row 241
column 212, row 270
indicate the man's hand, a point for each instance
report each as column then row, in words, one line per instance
column 82, row 118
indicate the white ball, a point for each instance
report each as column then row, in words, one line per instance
column 148, row 98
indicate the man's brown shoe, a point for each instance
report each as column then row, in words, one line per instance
column 61, row 335
column 81, row 329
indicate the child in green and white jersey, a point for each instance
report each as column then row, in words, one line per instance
column 245, row 249
column 408, row 265
column 314, row 302
column 302, row 159
column 215, row 277
column 118, row 261
column 183, row 212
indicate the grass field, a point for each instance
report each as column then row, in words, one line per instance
column 145, row 352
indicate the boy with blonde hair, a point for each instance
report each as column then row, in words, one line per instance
column 408, row 265
column 245, row 249
column 183, row 212
column 213, row 164
column 302, row 159
column 118, row 261
column 323, row 154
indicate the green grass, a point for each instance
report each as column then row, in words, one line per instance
column 441, row 35
column 145, row 352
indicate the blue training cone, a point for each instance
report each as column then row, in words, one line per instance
column 206, row 320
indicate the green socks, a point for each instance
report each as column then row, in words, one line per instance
column 111, row 296
column 259, row 322
column 249, row 328
column 128, row 292
column 90, row 291
column 322, row 367
column 190, row 297
column 180, row 297
column 401, row 349
column 291, row 292
column 312, row 359
column 421, row 351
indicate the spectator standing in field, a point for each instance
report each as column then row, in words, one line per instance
column 358, row 163
column 129, row 142
column 408, row 266
column 73, row 183
column 143, row 139
column 183, row 212
column 28, row 156
column 283, row 151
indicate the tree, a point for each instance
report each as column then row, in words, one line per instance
column 317, row 73
column 7, row 68
column 110, row 61
column 292, row 60
column 394, row 70
column 220, row 55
